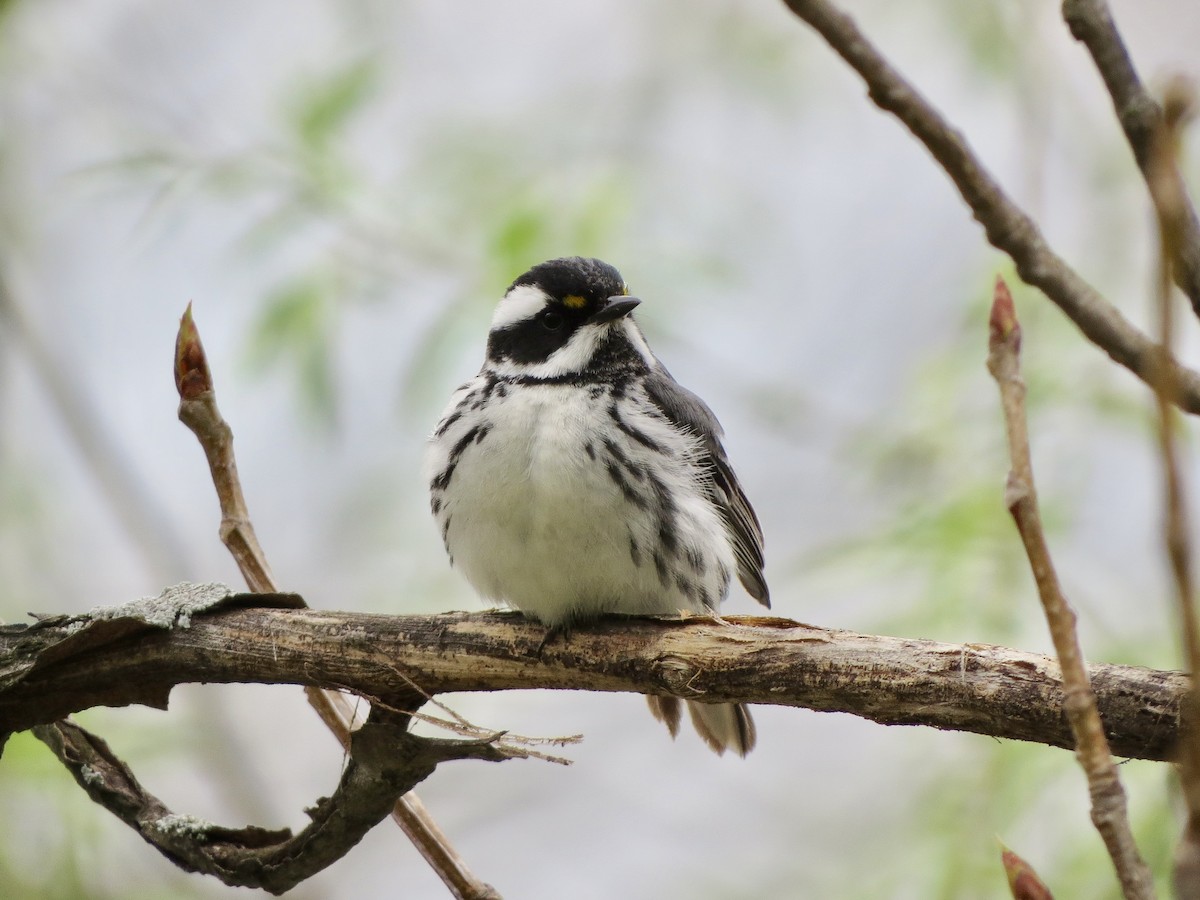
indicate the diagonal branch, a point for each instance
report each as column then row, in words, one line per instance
column 1110, row 812
column 198, row 411
column 1007, row 227
column 1141, row 119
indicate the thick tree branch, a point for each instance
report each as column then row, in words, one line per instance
column 58, row 666
column 1141, row 119
column 1008, row 228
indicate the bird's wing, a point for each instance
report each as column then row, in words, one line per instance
column 687, row 411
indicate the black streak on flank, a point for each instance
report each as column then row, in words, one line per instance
column 664, row 574
column 465, row 441
column 589, row 450
column 474, row 434
column 485, row 393
column 614, row 472
column 451, row 419
column 666, row 515
column 687, row 588
column 442, row 481
column 446, row 535
column 635, row 552
column 665, row 501
column 666, row 536
column 617, row 453
column 695, row 560
column 641, row 437
column 726, row 576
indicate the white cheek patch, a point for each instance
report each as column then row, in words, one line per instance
column 575, row 355
column 639, row 341
column 569, row 359
column 523, row 302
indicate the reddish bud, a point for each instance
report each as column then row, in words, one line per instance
column 1022, row 880
column 1003, row 326
column 191, row 367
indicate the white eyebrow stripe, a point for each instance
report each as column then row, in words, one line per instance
column 523, row 302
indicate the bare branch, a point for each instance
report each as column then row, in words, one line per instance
column 1171, row 207
column 1141, row 118
column 198, row 411
column 1110, row 812
column 57, row 666
column 1008, row 228
column 384, row 762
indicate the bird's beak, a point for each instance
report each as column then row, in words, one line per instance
column 614, row 308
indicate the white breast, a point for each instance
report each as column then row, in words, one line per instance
column 559, row 512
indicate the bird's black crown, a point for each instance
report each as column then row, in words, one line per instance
column 576, row 276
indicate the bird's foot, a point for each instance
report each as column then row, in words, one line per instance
column 554, row 631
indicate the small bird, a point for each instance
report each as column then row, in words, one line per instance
column 573, row 476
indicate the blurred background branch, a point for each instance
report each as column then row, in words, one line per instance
column 1008, row 227
column 1141, row 119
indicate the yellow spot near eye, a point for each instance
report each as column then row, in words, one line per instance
column 574, row 301
column 624, row 290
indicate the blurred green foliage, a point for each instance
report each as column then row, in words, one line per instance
column 323, row 107
column 294, row 331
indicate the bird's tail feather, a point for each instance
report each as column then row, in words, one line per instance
column 724, row 726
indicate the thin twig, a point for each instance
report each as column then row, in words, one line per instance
column 1008, row 228
column 1170, row 207
column 198, row 411
column 460, row 725
column 1141, row 119
column 1109, row 809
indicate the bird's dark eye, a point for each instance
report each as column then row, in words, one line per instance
column 551, row 320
